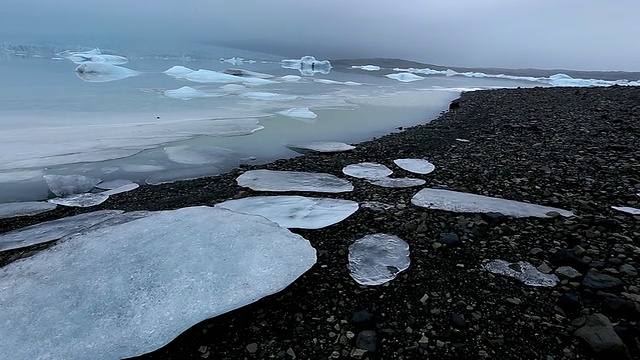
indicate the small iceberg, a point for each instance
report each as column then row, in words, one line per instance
column 178, row 71
column 270, row 180
column 187, row 93
column 522, row 271
column 321, row 146
column 294, row 211
column 99, row 72
column 397, row 182
column 65, row 185
column 378, row 258
column 307, row 65
column 95, row 56
column 27, row 208
column 291, row 78
column 367, row 170
column 247, row 73
column 627, row 209
column 366, row 67
column 300, row 113
column 416, row 166
column 404, row 77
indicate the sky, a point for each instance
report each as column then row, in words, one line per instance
column 550, row 34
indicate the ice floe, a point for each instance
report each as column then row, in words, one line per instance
column 65, row 185
column 110, row 185
column 404, row 77
column 417, row 166
column 471, row 203
column 378, row 258
column 187, row 93
column 81, row 200
column 321, row 146
column 291, row 78
column 237, row 61
column 294, row 211
column 202, row 155
column 99, row 72
column 27, row 208
column 248, row 73
column 210, row 76
column 397, row 182
column 367, row 170
column 300, row 113
column 270, row 180
column 130, row 288
column 307, row 65
column 522, row 271
column 95, row 56
column 627, row 209
column 367, row 67
column 142, row 168
column 53, row 230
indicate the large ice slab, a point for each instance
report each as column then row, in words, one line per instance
column 65, row 185
column 367, row 170
column 80, row 200
column 302, row 113
column 378, row 258
column 128, row 289
column 270, row 180
column 101, row 72
column 627, row 209
column 294, row 211
column 307, row 65
column 202, row 155
column 321, row 146
column 522, row 271
column 417, row 166
column 471, row 203
column 397, row 182
column 53, row 230
column 26, row 208
column 404, row 77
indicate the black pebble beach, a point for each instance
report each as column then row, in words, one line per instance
column 572, row 148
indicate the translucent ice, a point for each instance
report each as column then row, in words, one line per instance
column 26, row 208
column 53, row 230
column 308, row 65
column 404, row 77
column 121, row 189
column 109, row 185
column 302, row 113
column 65, row 185
column 321, row 146
column 100, row 72
column 367, row 170
column 378, row 258
column 81, row 200
column 627, row 209
column 397, row 182
column 269, row 96
column 128, row 289
column 367, row 67
column 186, row 93
column 471, row 203
column 294, row 211
column 522, row 271
column 96, row 56
column 202, row 155
column 269, row 180
column 417, row 166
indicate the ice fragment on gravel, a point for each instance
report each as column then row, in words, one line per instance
column 121, row 189
column 53, row 230
column 269, row 180
column 109, row 185
column 471, row 203
column 417, row 166
column 627, row 209
column 522, row 271
column 294, row 211
column 129, row 289
column 81, row 200
column 377, row 259
column 26, row 208
column 367, row 170
column 404, row 77
column 321, row 146
column 65, row 185
column 303, row 113
column 376, row 205
column 388, row 182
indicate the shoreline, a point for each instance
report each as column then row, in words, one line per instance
column 573, row 148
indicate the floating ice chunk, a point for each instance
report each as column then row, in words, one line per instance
column 352, row 83
column 204, row 76
column 110, row 185
column 471, row 203
column 269, row 180
column 237, row 61
column 291, row 78
column 53, row 230
column 81, row 200
column 186, row 93
column 376, row 205
column 417, row 166
column 404, row 77
column 129, row 289
column 247, row 73
column 121, row 189
column 522, row 271
column 397, row 182
column 307, row 65
column 178, row 71
column 98, row 72
column 201, row 155
column 294, row 211
column 85, row 57
column 26, row 208
column 367, row 170
column 321, row 146
column 65, row 185
column 367, row 67
column 463, row 140
column 269, row 96
column 301, row 113
column 378, row 258
column 627, row 209
column 328, row 82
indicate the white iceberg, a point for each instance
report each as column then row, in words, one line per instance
column 301, row 113
column 627, row 209
column 294, row 211
column 65, row 185
column 321, row 146
column 367, row 170
column 130, row 288
column 367, row 67
column 522, row 271
column 80, row 200
column 202, row 155
column 417, row 166
column 27, row 208
column 397, row 182
column 95, row 56
column 270, row 180
column 471, row 203
column 99, row 72
column 110, row 185
column 404, row 77
column 178, row 71
column 307, row 65
column 378, row 258
column 187, row 93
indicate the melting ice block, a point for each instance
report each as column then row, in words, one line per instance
column 294, row 211
column 397, row 182
column 269, row 180
column 627, row 209
column 367, row 170
column 96, row 56
column 522, row 271
column 378, row 258
column 99, row 72
column 367, row 67
column 26, row 208
column 307, row 65
column 321, row 146
column 130, row 288
column 404, row 77
column 81, row 200
column 178, row 71
column 187, row 93
column 471, row 203
column 202, row 155
column 302, row 113
column 417, row 166
column 65, row 185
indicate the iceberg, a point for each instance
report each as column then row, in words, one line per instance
column 95, row 56
column 471, row 203
column 202, row 155
column 99, row 72
column 307, row 65
column 187, row 93
column 416, row 166
column 522, row 271
column 397, row 182
column 27, row 208
column 128, row 289
column 65, row 185
column 321, row 146
column 627, row 209
column 294, row 211
column 378, row 258
column 81, row 200
column 270, row 180
column 367, row 170
column 367, row 67
column 178, row 71
column 301, row 113
column 404, row 77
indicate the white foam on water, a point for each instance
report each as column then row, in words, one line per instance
column 522, row 271
column 300, row 113
column 367, row 67
column 405, row 77
column 321, row 146
column 377, row 259
column 397, row 182
column 417, row 166
column 269, row 180
column 27, row 208
column 81, row 200
column 367, row 170
column 627, row 209
column 101, row 72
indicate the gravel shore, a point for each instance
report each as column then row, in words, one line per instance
column 571, row 148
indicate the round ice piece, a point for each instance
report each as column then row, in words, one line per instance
column 81, row 200
column 377, row 259
column 367, row 170
column 294, row 211
column 269, row 180
column 321, row 146
column 627, row 209
column 26, row 208
column 522, row 271
column 417, row 166
column 303, row 113
column 65, row 185
column 397, row 182
column 404, row 77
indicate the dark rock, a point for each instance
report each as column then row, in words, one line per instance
column 619, row 307
column 629, row 270
column 362, row 319
column 566, row 257
column 599, row 335
column 451, row 240
column 367, row 340
column 614, row 261
column 570, row 303
column 455, row 104
column 630, row 336
column 608, row 224
column 493, row 218
column 603, row 282
column 597, row 264
column 458, row 322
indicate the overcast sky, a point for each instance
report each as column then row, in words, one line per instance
column 570, row 34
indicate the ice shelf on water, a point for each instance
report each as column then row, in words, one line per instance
column 80, row 200
column 367, row 170
column 294, row 211
column 26, row 208
column 101, row 72
column 307, row 65
column 627, row 209
column 471, row 203
column 397, row 182
column 130, row 288
column 321, row 146
column 405, row 77
column 270, row 180
column 302, row 113
column 417, row 166
column 522, row 271
column 378, row 258
column 188, row 93
column 65, row 185
column 367, row 67
column 53, row 230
